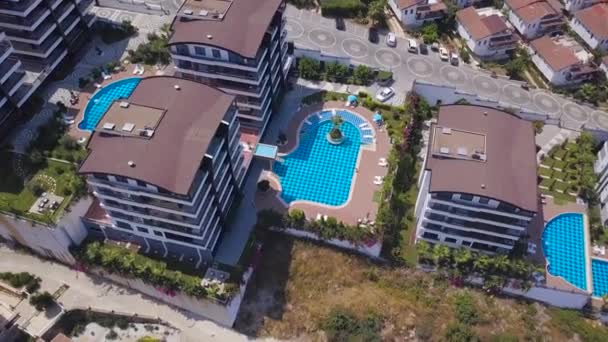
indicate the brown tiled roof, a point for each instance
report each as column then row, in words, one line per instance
column 240, row 31
column 532, row 10
column 61, row 338
column 480, row 27
column 509, row 172
column 170, row 158
column 402, row 4
column 555, row 55
column 595, row 19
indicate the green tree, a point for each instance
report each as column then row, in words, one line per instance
column 362, row 75
column 336, row 72
column 309, row 68
column 424, row 251
column 463, row 259
column 464, row 54
column 442, row 255
column 588, row 92
column 41, row 301
column 376, row 11
column 430, row 32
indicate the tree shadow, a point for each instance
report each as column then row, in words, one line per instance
column 266, row 294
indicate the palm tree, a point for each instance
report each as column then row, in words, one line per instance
column 463, row 259
column 424, row 251
column 337, row 120
column 336, row 133
column 441, row 255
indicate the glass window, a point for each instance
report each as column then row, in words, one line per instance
column 158, row 233
column 121, row 179
column 199, row 51
column 466, row 197
column 216, row 53
column 450, row 240
column 484, row 200
column 140, row 183
column 143, row 230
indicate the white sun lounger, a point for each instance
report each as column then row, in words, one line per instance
column 363, row 125
column 319, row 217
column 378, row 181
column 105, row 76
column 382, row 162
column 97, row 85
column 368, row 136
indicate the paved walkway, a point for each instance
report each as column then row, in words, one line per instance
column 94, row 292
column 310, row 30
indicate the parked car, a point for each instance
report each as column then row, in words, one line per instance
column 454, row 58
column 443, row 54
column 412, row 46
column 385, row 94
column 391, row 39
column 372, row 35
column 435, row 46
column 340, row 24
column 424, row 49
column 525, row 86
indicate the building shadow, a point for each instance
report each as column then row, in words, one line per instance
column 266, row 294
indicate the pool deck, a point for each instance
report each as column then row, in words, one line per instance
column 77, row 110
column 549, row 211
column 360, row 204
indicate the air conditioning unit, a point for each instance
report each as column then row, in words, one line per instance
column 188, row 12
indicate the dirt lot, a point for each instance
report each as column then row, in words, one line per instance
column 299, row 283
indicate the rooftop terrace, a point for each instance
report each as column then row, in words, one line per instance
column 459, row 144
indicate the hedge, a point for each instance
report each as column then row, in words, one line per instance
column 342, row 8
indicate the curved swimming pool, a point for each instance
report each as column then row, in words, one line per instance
column 564, row 247
column 103, row 98
column 318, row 171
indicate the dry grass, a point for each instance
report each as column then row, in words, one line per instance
column 298, row 283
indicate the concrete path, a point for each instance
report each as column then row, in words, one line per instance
column 90, row 291
column 310, row 30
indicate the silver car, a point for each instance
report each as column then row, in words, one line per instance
column 385, row 94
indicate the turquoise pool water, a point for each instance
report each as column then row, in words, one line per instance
column 564, row 246
column 316, row 170
column 599, row 271
column 102, row 100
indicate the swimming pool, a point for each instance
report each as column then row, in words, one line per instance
column 102, row 100
column 316, row 170
column 564, row 247
column 599, row 271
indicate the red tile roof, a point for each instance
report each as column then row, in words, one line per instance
column 480, row 27
column 555, row 55
column 509, row 172
column 532, row 10
column 595, row 19
column 403, row 4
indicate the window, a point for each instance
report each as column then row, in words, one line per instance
column 158, row 233
column 123, row 225
column 140, row 183
column 216, row 53
column 450, row 240
column 466, row 197
column 199, row 51
column 466, row 243
column 121, row 179
column 484, row 200
column 143, row 230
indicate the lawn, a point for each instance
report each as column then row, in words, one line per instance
column 292, row 294
column 559, row 175
column 16, row 194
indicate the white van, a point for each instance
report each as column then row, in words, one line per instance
column 412, row 46
column 391, row 39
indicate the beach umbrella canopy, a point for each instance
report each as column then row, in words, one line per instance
column 352, row 98
column 377, row 117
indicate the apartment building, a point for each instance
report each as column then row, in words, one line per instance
column 562, row 60
column 485, row 33
column 36, row 36
column 534, row 18
column 574, row 5
column 237, row 46
column 414, row 13
column 478, row 186
column 166, row 165
column 591, row 24
column 601, row 169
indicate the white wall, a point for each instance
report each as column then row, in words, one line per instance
column 556, row 78
column 393, row 5
column 52, row 242
column 221, row 314
column 587, row 36
column 299, row 52
column 450, row 95
column 527, row 30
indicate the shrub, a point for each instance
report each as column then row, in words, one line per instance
column 335, row 133
column 111, row 335
column 341, row 325
column 430, row 32
column 464, row 54
column 466, row 313
column 22, row 279
column 362, row 75
column 42, row 301
column 155, row 51
column 309, row 68
column 384, row 76
column 342, row 8
column 336, row 72
column 128, row 27
column 459, row 333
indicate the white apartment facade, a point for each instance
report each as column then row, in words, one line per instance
column 601, row 169
column 534, row 18
column 478, row 186
column 414, row 13
column 246, row 58
column 181, row 207
column 488, row 37
column 591, row 24
column 558, row 63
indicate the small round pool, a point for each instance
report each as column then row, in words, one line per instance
column 103, row 98
column 564, row 247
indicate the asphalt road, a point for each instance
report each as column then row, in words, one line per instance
column 310, row 30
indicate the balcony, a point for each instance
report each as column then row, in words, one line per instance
column 439, row 227
column 43, row 50
column 14, row 82
column 29, row 23
column 35, row 37
column 8, row 67
column 18, row 8
column 235, row 62
column 481, row 216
